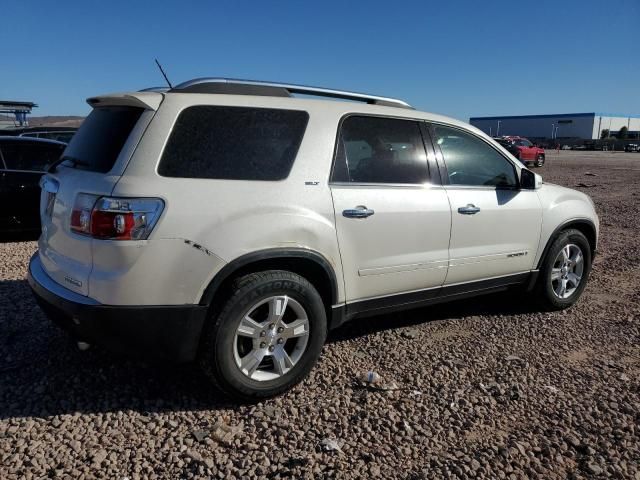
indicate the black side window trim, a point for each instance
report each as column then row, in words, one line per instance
column 432, row 160
column 442, row 164
column 427, row 143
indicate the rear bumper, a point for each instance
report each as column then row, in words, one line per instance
column 163, row 332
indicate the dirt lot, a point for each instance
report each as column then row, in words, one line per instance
column 490, row 387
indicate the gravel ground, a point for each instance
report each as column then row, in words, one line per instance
column 490, row 388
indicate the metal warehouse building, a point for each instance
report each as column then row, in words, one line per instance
column 563, row 125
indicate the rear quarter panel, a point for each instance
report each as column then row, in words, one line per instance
column 230, row 218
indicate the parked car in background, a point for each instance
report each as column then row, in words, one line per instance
column 61, row 134
column 22, row 163
column 509, row 145
column 566, row 147
column 631, row 147
column 231, row 223
column 58, row 135
column 523, row 150
column 593, row 145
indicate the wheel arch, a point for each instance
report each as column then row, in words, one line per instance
column 308, row 263
column 584, row 225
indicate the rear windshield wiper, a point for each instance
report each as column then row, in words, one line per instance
column 75, row 161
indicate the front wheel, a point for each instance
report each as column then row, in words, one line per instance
column 267, row 337
column 565, row 270
column 540, row 160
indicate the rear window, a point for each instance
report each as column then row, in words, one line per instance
column 98, row 142
column 233, row 143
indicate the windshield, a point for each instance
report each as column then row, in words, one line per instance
column 100, row 139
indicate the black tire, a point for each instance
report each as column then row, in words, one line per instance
column 544, row 291
column 217, row 349
column 539, row 160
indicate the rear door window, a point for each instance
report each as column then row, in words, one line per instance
column 98, row 142
column 380, row 150
column 233, row 143
column 29, row 156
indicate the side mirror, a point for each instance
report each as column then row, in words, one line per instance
column 529, row 180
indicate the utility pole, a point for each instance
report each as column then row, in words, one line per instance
column 498, row 129
column 553, row 126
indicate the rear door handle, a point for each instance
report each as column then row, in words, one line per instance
column 470, row 209
column 359, row 212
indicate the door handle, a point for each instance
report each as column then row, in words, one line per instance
column 470, row 209
column 359, row 212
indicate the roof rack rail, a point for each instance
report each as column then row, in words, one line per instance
column 155, row 89
column 234, row 86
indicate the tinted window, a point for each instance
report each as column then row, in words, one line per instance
column 470, row 161
column 58, row 136
column 525, row 143
column 233, row 143
column 29, row 156
column 380, row 150
column 98, row 142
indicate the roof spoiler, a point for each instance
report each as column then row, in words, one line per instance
column 146, row 100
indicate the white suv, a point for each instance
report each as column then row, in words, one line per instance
column 231, row 222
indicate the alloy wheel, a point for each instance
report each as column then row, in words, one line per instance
column 567, row 271
column 271, row 338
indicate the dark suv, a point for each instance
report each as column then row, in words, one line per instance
column 632, row 147
column 22, row 163
column 523, row 150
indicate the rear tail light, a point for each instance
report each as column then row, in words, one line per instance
column 115, row 218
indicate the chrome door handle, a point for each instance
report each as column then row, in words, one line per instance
column 470, row 209
column 358, row 212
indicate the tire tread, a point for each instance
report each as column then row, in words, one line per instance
column 240, row 286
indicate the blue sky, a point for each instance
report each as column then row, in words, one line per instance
column 459, row 58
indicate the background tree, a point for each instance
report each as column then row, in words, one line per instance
column 623, row 133
column 604, row 133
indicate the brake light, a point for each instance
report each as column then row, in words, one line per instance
column 81, row 214
column 110, row 218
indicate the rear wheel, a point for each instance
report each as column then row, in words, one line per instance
column 565, row 270
column 267, row 337
column 540, row 160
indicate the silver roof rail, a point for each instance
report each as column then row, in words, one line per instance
column 155, row 89
column 253, row 87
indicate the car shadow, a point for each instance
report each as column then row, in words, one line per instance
column 43, row 373
column 511, row 302
column 11, row 237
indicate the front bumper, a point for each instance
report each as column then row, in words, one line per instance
column 158, row 332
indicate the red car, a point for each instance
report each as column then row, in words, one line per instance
column 523, row 150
